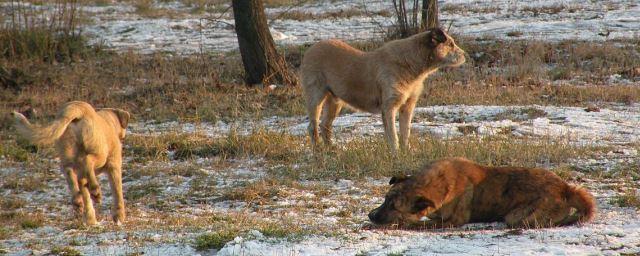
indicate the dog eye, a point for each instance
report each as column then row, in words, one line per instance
column 422, row 203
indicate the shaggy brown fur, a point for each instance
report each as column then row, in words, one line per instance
column 88, row 143
column 384, row 81
column 455, row 191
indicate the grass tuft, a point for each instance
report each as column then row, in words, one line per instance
column 139, row 191
column 214, row 240
column 64, row 251
column 5, row 233
column 31, row 222
column 30, row 34
column 12, row 203
column 630, row 198
column 16, row 151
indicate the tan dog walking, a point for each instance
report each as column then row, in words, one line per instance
column 386, row 80
column 456, row 191
column 88, row 143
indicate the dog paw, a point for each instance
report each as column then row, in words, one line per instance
column 118, row 218
column 91, row 222
column 78, row 207
column 96, row 197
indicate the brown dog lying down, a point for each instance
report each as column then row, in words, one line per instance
column 455, row 191
column 88, row 143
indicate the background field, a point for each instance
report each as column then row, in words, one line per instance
column 213, row 166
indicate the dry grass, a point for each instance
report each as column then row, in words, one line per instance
column 292, row 159
column 259, row 143
column 515, row 33
column 192, row 88
column 549, row 9
column 226, row 226
column 29, row 33
column 31, row 222
column 341, row 14
column 12, row 203
column 148, row 9
column 64, row 251
column 289, row 157
column 280, row 3
column 629, row 198
column 462, row 9
column 205, row 87
column 25, row 183
column 363, row 158
column 253, row 193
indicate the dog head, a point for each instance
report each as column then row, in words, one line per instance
column 409, row 200
column 444, row 49
column 122, row 118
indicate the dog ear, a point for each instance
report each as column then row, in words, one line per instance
column 398, row 179
column 123, row 117
column 436, row 36
column 422, row 203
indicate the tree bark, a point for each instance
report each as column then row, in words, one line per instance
column 262, row 63
column 429, row 15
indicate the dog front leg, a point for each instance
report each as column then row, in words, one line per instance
column 389, row 122
column 406, row 114
column 115, row 181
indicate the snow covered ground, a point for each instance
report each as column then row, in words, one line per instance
column 616, row 124
column 119, row 26
column 187, row 194
column 321, row 204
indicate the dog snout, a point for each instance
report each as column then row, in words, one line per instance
column 458, row 57
column 374, row 216
column 378, row 216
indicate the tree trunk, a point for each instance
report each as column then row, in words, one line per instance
column 429, row 15
column 262, row 63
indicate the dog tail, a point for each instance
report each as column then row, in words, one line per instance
column 48, row 134
column 583, row 202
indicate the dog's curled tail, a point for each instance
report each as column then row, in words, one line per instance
column 584, row 203
column 48, row 134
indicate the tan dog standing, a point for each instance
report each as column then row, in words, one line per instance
column 455, row 191
column 386, row 80
column 88, row 143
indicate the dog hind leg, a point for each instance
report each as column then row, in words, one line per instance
column 315, row 99
column 332, row 107
column 84, row 184
column 540, row 214
column 89, row 211
column 74, row 190
column 96, row 195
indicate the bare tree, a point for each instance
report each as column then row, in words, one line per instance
column 407, row 18
column 429, row 15
column 262, row 63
